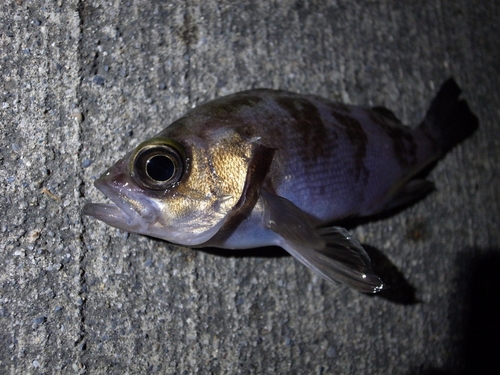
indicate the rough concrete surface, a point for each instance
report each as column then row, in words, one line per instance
column 82, row 82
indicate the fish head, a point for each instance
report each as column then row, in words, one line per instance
column 179, row 186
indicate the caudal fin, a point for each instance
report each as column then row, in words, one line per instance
column 449, row 120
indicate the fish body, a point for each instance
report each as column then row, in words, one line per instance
column 265, row 167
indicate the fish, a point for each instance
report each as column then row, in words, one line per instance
column 263, row 167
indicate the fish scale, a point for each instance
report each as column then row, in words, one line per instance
column 272, row 168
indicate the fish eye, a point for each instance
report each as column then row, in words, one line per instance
column 160, row 168
column 158, row 164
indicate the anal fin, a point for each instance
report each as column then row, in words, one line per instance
column 411, row 192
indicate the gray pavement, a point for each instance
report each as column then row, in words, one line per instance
column 82, row 82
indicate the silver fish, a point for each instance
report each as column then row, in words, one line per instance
column 274, row 168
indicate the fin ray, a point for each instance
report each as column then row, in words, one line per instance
column 330, row 252
column 409, row 193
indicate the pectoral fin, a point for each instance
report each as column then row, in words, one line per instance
column 330, row 252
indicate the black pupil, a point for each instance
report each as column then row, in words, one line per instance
column 160, row 168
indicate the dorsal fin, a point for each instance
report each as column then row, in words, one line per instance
column 386, row 113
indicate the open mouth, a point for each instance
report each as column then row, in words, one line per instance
column 119, row 214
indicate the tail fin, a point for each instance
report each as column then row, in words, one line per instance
column 449, row 120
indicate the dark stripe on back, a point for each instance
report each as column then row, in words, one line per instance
column 404, row 146
column 225, row 107
column 309, row 124
column 359, row 140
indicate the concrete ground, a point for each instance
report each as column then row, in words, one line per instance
column 82, row 82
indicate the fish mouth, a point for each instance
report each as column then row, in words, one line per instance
column 105, row 212
column 120, row 214
column 138, row 214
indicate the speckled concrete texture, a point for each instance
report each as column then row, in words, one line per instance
column 82, row 82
